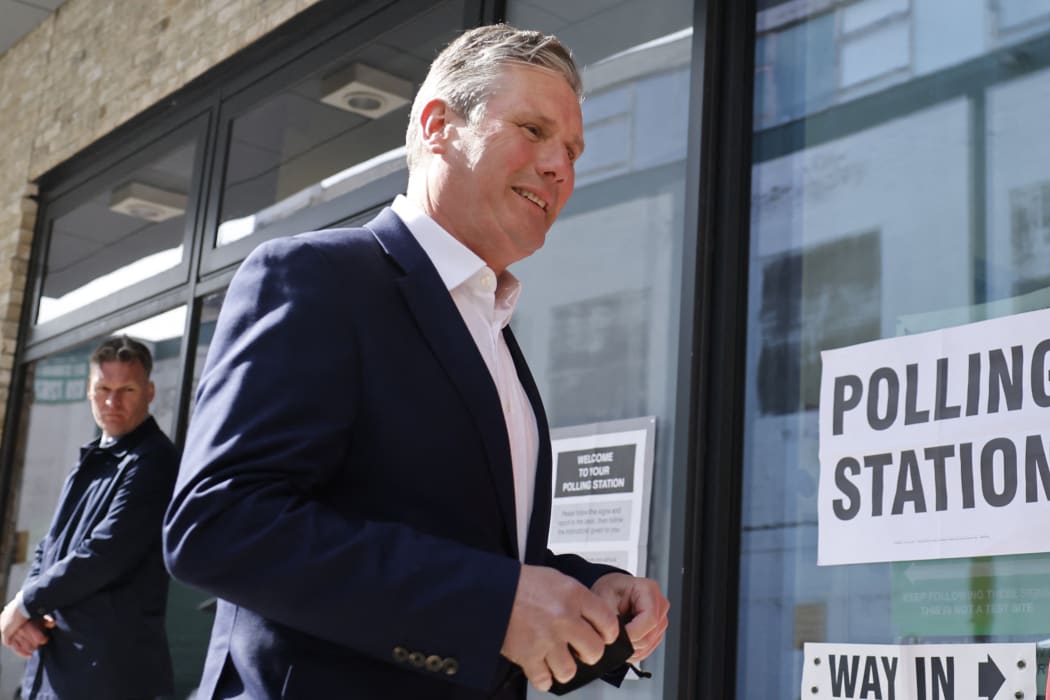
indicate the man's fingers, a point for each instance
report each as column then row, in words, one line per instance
column 602, row 617
column 22, row 646
column 646, row 638
column 587, row 641
column 552, row 613
column 647, row 644
column 32, row 634
column 562, row 664
column 539, row 675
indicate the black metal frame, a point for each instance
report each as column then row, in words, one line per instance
column 706, row 517
column 194, row 130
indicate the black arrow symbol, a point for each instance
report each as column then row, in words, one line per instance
column 989, row 679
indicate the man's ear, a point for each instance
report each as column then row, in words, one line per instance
column 150, row 390
column 435, row 123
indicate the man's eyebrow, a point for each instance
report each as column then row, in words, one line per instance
column 547, row 122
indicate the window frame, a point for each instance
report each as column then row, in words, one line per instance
column 194, row 131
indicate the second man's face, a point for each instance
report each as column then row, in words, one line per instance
column 120, row 394
column 510, row 174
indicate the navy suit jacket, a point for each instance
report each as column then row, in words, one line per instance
column 99, row 573
column 346, row 488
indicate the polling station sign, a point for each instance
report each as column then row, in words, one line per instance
column 600, row 491
column 919, row 671
column 936, row 445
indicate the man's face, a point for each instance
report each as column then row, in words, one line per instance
column 508, row 176
column 120, row 394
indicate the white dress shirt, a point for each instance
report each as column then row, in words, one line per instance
column 486, row 303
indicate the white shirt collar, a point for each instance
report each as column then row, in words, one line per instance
column 456, row 264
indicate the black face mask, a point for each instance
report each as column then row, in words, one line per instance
column 612, row 667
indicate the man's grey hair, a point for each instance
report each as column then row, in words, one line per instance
column 465, row 73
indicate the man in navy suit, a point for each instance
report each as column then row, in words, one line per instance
column 90, row 615
column 366, row 480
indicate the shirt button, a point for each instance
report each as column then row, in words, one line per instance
column 400, row 654
column 417, row 659
column 433, row 663
column 450, row 666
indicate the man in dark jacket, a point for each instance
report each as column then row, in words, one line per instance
column 366, row 486
column 90, row 615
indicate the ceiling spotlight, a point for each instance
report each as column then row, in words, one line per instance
column 366, row 91
column 147, row 202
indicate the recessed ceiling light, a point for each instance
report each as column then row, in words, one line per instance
column 366, row 91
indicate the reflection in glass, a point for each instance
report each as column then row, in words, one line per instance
column 210, row 307
column 56, row 421
column 125, row 234
column 598, row 315
column 924, row 207
column 333, row 132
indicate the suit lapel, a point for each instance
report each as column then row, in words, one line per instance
column 539, row 520
column 442, row 326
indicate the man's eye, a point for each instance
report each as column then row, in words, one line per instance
column 532, row 129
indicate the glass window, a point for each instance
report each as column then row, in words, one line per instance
column 56, row 421
column 598, row 315
column 210, row 307
column 333, row 132
column 925, row 210
column 127, row 233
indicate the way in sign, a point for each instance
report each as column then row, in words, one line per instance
column 916, row 672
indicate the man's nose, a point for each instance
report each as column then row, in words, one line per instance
column 557, row 164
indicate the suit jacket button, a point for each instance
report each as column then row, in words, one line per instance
column 450, row 666
column 433, row 663
column 417, row 659
column 400, row 654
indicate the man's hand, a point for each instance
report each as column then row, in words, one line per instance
column 17, row 631
column 641, row 601
column 552, row 613
column 31, row 636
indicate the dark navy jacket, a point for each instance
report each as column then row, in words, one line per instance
column 100, row 574
column 346, row 488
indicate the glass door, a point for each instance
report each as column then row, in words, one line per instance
column 895, row 488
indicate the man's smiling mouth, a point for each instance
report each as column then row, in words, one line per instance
column 532, row 198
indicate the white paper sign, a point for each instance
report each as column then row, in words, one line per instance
column 919, row 671
column 602, row 476
column 937, row 445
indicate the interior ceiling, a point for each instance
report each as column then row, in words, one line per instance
column 19, row 17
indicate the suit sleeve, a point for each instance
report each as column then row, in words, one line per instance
column 274, row 414
column 34, row 568
column 117, row 544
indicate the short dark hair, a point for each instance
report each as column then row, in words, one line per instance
column 121, row 348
